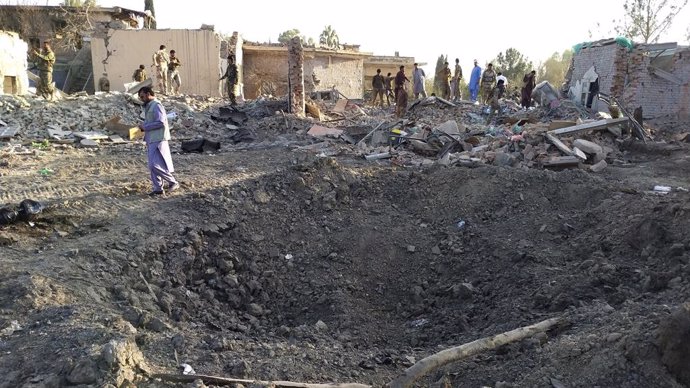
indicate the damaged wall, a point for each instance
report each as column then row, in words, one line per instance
column 13, row 64
column 266, row 71
column 629, row 76
column 119, row 52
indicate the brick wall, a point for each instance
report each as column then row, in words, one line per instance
column 626, row 75
column 603, row 59
column 660, row 97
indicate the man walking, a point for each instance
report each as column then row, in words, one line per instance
column 456, row 94
column 378, row 83
column 160, row 65
column 418, row 87
column 156, row 135
column 474, row 81
column 232, row 79
column 174, row 79
column 46, row 60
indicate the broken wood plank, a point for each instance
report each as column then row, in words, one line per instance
column 562, row 161
column 560, row 145
column 599, row 124
column 558, row 124
column 225, row 381
column 457, row 353
column 340, row 106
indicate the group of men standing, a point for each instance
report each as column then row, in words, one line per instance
column 166, row 69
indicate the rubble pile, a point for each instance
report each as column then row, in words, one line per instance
column 559, row 134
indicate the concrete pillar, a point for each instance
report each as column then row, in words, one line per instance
column 296, row 76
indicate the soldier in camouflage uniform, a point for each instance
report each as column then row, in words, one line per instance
column 140, row 74
column 45, row 61
column 488, row 83
column 160, row 68
column 232, row 79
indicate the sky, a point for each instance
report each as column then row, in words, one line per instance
column 426, row 30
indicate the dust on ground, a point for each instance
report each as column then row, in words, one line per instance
column 276, row 263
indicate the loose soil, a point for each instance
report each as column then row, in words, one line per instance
column 272, row 263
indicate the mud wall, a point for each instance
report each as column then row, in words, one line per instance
column 13, row 65
column 268, row 70
column 119, row 52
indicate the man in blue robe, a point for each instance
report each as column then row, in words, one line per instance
column 474, row 81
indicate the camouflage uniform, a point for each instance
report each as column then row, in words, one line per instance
column 174, row 80
column 160, row 64
column 232, row 81
column 46, row 60
column 139, row 75
column 487, row 84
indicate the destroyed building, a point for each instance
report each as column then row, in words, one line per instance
column 387, row 64
column 13, row 65
column 266, row 69
column 653, row 77
column 117, row 53
column 69, row 28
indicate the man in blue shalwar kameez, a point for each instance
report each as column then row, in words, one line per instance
column 474, row 81
column 156, row 135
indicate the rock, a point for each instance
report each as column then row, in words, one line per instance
column 255, row 310
column 677, row 249
column 615, row 130
column 321, row 326
column 88, row 143
column 674, row 343
column 503, row 159
column 240, row 369
column 613, row 337
column 261, row 197
column 599, row 166
column 436, row 250
column 85, row 372
column 463, row 290
column 156, row 324
column 123, row 359
column 588, row 147
column 411, row 248
column 198, row 383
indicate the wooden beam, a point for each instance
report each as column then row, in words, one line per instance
column 665, row 75
column 600, row 124
column 225, row 381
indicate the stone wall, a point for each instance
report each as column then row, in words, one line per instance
column 120, row 52
column 13, row 64
column 267, row 70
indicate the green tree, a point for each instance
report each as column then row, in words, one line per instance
column 555, row 68
column 150, row 23
column 440, row 63
column 285, row 37
column 512, row 64
column 329, row 38
column 648, row 20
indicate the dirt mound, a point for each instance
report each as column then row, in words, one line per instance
column 288, row 266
